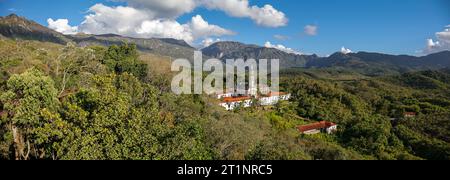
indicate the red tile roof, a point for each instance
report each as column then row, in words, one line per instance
column 236, row 99
column 314, row 126
column 410, row 113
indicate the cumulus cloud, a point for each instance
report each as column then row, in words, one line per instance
column 268, row 16
column 282, row 48
column 345, row 50
column 265, row 16
column 115, row 20
column 62, row 26
column 311, row 30
column 131, row 22
column 164, row 8
column 155, row 18
column 200, row 28
column 442, row 42
column 163, row 29
column 197, row 28
column 281, row 37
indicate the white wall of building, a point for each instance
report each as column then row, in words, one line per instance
column 264, row 101
column 331, row 129
column 272, row 100
column 226, row 95
column 233, row 105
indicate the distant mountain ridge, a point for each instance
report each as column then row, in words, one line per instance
column 364, row 62
column 165, row 47
column 235, row 50
column 17, row 27
column 378, row 64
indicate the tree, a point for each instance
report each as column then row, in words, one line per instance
column 74, row 61
column 124, row 58
column 278, row 147
column 28, row 97
column 116, row 118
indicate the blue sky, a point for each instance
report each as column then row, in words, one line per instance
column 395, row 27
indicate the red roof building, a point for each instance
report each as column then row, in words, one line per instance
column 232, row 100
column 322, row 126
column 409, row 114
column 231, row 103
column 236, row 99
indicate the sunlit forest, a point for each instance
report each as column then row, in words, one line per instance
column 112, row 103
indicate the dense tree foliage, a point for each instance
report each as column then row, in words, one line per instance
column 124, row 58
column 68, row 102
column 370, row 112
column 28, row 103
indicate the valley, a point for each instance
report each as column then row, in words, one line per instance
column 108, row 97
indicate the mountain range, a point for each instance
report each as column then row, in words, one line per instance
column 16, row 27
column 235, row 50
column 368, row 63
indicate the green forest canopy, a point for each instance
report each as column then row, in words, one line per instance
column 68, row 102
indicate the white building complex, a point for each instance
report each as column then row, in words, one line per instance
column 273, row 98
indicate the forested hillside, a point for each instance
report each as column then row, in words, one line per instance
column 95, row 102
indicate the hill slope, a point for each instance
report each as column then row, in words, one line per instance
column 16, row 27
column 235, row 50
column 20, row 28
column 165, row 47
column 379, row 64
column 373, row 64
column 363, row 62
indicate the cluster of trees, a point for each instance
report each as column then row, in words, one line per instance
column 370, row 113
column 106, row 103
column 97, row 110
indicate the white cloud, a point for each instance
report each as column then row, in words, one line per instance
column 311, row 30
column 265, row 16
column 345, row 50
column 282, row 48
column 163, row 29
column 268, row 16
column 197, row 28
column 441, row 44
column 164, row 8
column 62, row 26
column 209, row 41
column 281, row 37
column 155, row 18
column 116, row 20
column 131, row 22
column 431, row 44
column 200, row 28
